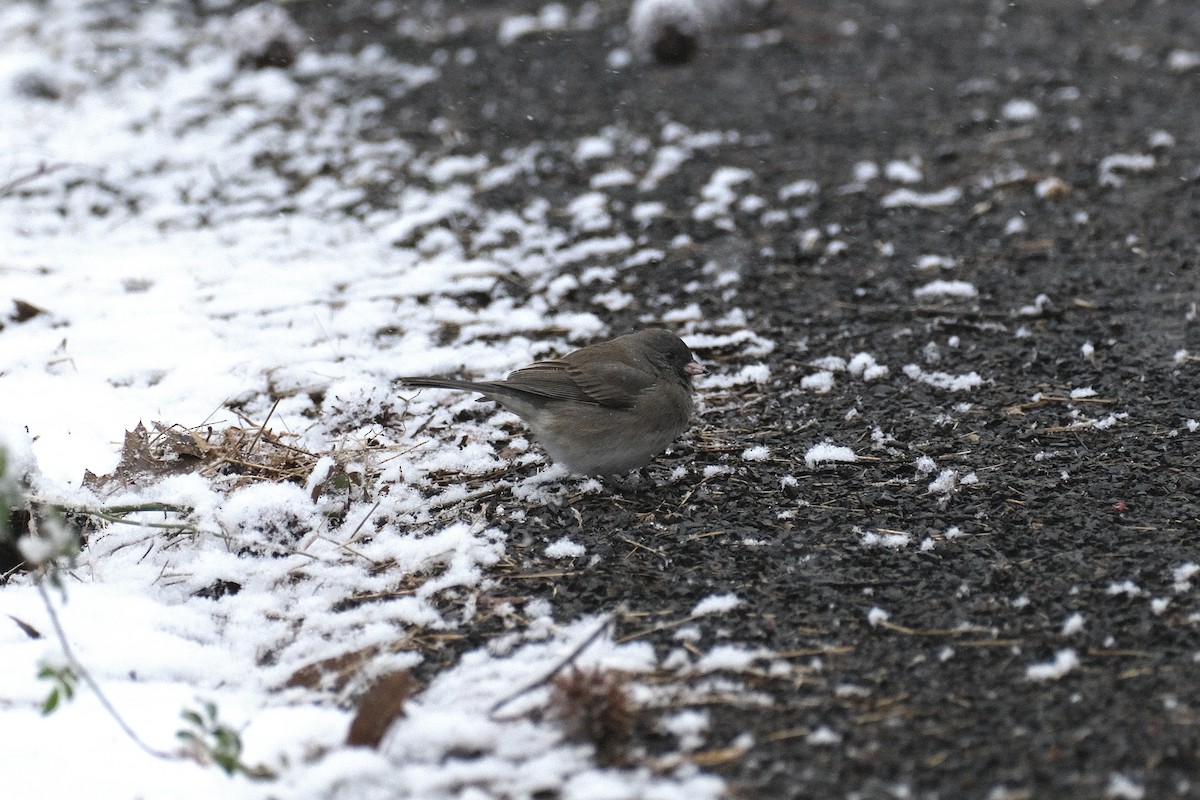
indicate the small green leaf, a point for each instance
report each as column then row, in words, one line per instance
column 260, row 772
column 51, row 702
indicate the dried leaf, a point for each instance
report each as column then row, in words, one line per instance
column 378, row 708
column 26, row 628
column 24, row 311
column 594, row 706
column 336, row 670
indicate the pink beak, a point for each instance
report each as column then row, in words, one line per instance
column 694, row 368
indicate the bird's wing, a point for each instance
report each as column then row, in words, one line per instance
column 549, row 379
column 610, row 384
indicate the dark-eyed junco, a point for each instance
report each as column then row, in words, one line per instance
column 605, row 409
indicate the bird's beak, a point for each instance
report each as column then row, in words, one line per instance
column 693, row 368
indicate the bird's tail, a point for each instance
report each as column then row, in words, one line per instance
column 443, row 383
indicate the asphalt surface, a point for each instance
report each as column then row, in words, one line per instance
column 1084, row 505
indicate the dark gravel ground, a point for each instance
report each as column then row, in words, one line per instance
column 1065, row 517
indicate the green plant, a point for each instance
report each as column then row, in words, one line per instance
column 63, row 679
column 49, row 547
column 208, row 740
column 9, row 494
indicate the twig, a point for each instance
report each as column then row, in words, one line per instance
column 169, row 508
column 478, row 494
column 359, row 527
column 666, row 626
column 966, row 629
column 83, row 673
column 263, row 427
column 117, row 514
column 42, row 169
column 607, row 624
column 164, row 526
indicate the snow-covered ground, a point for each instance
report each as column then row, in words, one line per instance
column 211, row 276
column 198, row 240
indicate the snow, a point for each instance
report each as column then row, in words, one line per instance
column 611, row 178
column 594, row 147
column 827, row 453
column 1020, row 110
column 646, row 212
column 949, row 481
column 1037, row 308
column 865, row 171
column 829, row 363
column 716, row 604
column 1122, row 787
column 864, row 365
column 931, row 261
column 1127, row 588
column 1064, row 661
column 1182, row 575
column 748, row 374
column 255, row 29
column 1108, row 421
column 1183, row 60
column 824, row 736
column 756, row 453
column 667, row 160
column 1052, row 188
column 551, row 17
column 907, row 198
column 821, row 382
column 1015, row 225
column 719, row 195
column 185, row 281
column 961, row 289
column 199, row 267
column 1112, row 166
column 648, row 18
column 943, row 380
column 729, row 657
column 801, row 188
column 688, row 727
column 887, row 541
column 564, row 548
column 1160, row 140
column 1072, row 624
column 903, row 172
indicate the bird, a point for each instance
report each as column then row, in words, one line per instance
column 605, row 409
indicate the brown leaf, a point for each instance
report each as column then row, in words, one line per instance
column 26, row 628
column 378, row 708
column 595, row 706
column 24, row 311
column 146, row 459
column 336, row 670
